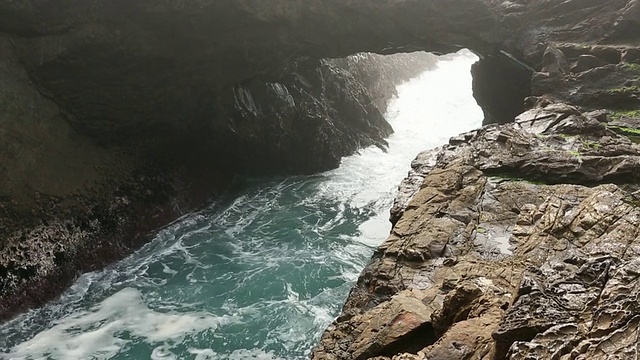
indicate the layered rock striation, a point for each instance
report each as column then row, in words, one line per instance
column 520, row 240
column 517, row 244
column 119, row 116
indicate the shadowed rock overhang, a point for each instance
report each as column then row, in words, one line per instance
column 111, row 60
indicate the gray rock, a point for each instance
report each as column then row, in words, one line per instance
column 554, row 61
column 587, row 62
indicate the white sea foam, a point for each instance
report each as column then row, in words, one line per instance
column 427, row 112
column 98, row 332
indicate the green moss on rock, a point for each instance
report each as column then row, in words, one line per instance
column 633, row 67
column 618, row 114
column 624, row 90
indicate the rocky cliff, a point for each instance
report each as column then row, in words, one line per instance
column 74, row 201
column 520, row 240
column 107, row 136
column 118, row 116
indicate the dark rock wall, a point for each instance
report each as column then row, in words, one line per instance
column 79, row 194
column 304, row 123
column 117, row 66
column 120, row 115
column 500, row 85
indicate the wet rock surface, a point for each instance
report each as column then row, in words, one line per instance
column 515, row 245
column 520, row 240
column 119, row 116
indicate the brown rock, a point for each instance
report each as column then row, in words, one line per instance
column 506, row 265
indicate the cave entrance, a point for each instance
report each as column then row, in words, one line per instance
column 501, row 82
column 430, row 105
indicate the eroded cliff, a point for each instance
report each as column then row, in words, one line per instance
column 520, row 240
column 517, row 244
column 119, row 116
column 102, row 145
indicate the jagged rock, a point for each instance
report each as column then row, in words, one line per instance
column 627, row 22
column 159, row 104
column 608, row 54
column 554, row 61
column 587, row 62
column 522, row 237
column 545, row 83
column 599, row 115
column 631, row 55
column 573, row 51
column 512, row 246
column 609, row 86
column 420, row 166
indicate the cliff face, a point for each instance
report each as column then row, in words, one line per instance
column 74, row 202
column 520, row 240
column 518, row 243
column 120, row 115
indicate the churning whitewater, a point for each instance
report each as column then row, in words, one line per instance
column 259, row 277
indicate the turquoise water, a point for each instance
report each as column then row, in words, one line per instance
column 261, row 276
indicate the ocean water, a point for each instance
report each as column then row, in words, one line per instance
column 258, row 277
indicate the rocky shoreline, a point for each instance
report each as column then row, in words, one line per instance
column 302, row 123
column 519, row 240
column 513, row 241
column 518, row 243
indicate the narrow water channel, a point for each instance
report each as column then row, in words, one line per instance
column 259, row 277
